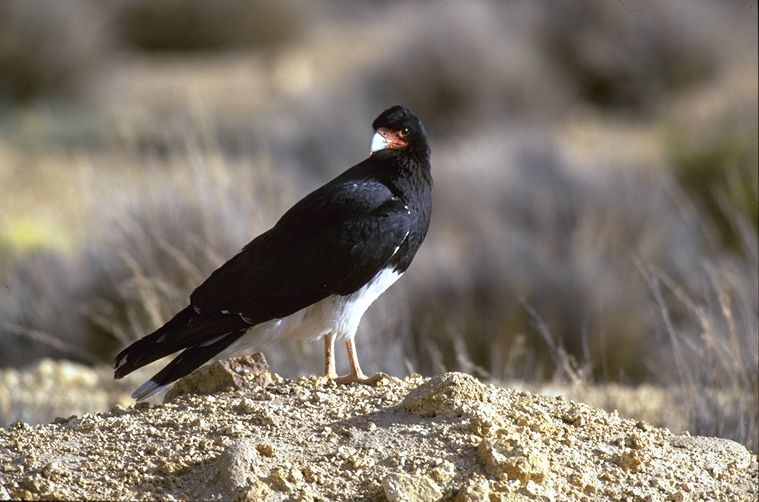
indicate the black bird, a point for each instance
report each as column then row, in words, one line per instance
column 313, row 274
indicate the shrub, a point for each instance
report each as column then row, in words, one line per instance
column 716, row 162
column 48, row 48
column 629, row 58
column 460, row 68
column 192, row 25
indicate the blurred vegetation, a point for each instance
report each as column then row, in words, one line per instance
column 595, row 162
column 720, row 171
column 628, row 57
column 55, row 48
column 565, row 247
column 198, row 25
column 48, row 48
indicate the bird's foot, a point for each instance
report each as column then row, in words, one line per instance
column 327, row 378
column 362, row 379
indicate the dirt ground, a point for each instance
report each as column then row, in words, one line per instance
column 449, row 437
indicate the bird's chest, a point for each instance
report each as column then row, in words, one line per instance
column 342, row 314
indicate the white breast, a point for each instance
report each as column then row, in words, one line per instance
column 335, row 314
column 353, row 306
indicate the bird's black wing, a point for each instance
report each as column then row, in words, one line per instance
column 332, row 242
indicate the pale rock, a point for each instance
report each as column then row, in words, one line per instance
column 237, row 373
column 400, row 487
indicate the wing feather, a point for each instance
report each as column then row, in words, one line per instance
column 332, row 242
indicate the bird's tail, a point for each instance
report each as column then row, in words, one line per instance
column 201, row 337
column 185, row 363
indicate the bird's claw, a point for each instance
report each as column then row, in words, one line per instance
column 361, row 378
column 328, row 378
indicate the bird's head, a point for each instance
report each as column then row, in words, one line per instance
column 398, row 129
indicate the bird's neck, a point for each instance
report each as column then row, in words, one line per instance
column 407, row 173
column 413, row 178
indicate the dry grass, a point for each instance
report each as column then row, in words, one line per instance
column 712, row 341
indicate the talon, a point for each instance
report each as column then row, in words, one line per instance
column 326, row 379
column 362, row 379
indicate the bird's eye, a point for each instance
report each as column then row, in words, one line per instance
column 404, row 132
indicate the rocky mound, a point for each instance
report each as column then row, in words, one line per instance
column 448, row 437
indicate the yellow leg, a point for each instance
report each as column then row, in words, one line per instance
column 356, row 375
column 329, row 357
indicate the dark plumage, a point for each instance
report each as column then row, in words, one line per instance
column 315, row 272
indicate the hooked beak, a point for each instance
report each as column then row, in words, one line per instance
column 386, row 139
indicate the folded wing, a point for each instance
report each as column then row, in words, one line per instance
column 332, row 242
